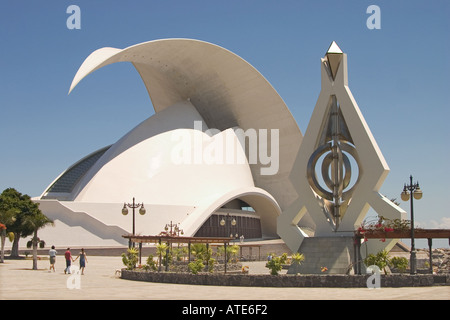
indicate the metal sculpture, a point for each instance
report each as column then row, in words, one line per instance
column 336, row 143
column 339, row 167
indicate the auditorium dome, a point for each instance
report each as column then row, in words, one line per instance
column 200, row 92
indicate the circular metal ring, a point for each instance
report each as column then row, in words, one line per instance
column 343, row 179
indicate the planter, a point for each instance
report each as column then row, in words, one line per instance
column 330, row 281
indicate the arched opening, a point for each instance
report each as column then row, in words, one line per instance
column 236, row 218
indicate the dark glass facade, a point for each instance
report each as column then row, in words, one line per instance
column 249, row 227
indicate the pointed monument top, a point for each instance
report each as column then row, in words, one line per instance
column 334, row 57
column 334, row 48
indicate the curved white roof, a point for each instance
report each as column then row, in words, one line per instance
column 225, row 89
column 187, row 81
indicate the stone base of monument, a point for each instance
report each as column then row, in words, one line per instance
column 325, row 255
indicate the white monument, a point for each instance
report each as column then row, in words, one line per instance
column 338, row 172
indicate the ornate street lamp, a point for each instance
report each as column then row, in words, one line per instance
column 227, row 222
column 414, row 190
column 232, row 223
column 133, row 206
column 175, row 229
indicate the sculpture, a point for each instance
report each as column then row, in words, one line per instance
column 337, row 144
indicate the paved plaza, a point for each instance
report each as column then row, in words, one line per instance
column 100, row 281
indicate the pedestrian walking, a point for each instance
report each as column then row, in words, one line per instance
column 83, row 260
column 52, row 253
column 69, row 260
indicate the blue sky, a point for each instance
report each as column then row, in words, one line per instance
column 397, row 74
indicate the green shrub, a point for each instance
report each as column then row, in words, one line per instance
column 381, row 260
column 203, row 256
column 151, row 264
column 298, row 258
column 196, row 266
column 130, row 258
column 400, row 263
column 180, row 253
column 163, row 251
column 232, row 252
column 275, row 264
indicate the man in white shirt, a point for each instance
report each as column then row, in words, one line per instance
column 52, row 253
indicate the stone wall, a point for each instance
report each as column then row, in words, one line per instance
column 440, row 258
column 337, row 281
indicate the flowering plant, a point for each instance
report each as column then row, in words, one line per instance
column 2, row 226
column 244, row 269
column 383, row 225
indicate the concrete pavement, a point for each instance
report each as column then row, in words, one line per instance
column 18, row 281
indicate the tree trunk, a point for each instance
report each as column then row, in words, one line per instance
column 15, row 246
column 2, row 253
column 35, row 244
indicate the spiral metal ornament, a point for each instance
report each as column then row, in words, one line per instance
column 335, row 146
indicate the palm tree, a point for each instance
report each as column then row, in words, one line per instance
column 6, row 218
column 21, row 206
column 35, row 222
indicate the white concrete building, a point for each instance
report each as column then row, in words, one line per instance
column 221, row 141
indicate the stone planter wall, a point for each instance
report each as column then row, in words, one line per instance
column 332, row 281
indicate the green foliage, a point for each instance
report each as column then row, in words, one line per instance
column 381, row 260
column 163, row 251
column 232, row 252
column 211, row 263
column 179, row 253
column 24, row 211
column 7, row 214
column 130, row 258
column 151, row 264
column 196, row 266
column 275, row 264
column 400, row 263
column 22, row 217
column 298, row 258
column 203, row 256
column 200, row 251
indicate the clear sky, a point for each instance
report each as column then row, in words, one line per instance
column 399, row 76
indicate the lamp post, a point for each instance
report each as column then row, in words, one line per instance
column 223, row 223
column 133, row 205
column 232, row 223
column 174, row 229
column 410, row 191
